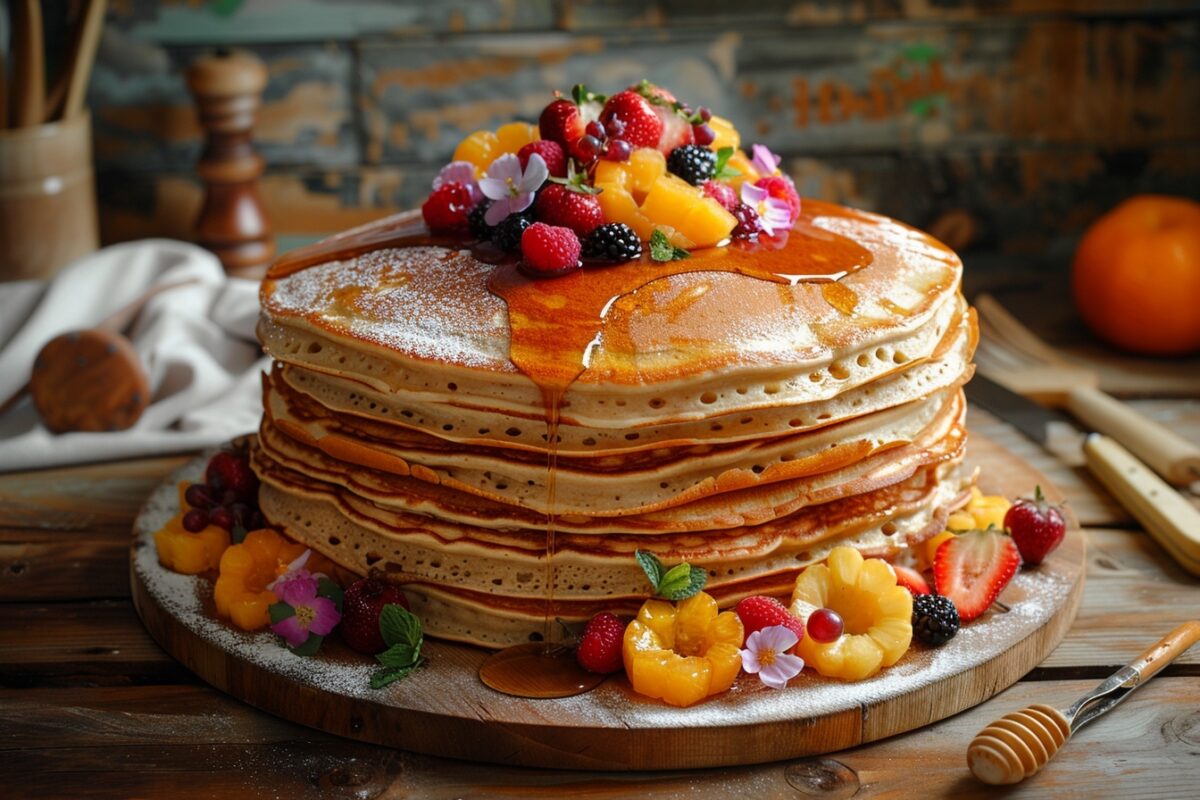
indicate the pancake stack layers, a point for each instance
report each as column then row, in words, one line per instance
column 745, row 423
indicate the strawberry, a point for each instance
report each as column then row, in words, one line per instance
column 560, row 205
column 973, row 568
column 676, row 131
column 447, row 209
column 782, row 188
column 227, row 472
column 562, row 123
column 361, row 607
column 910, row 579
column 758, row 612
column 550, row 250
column 600, row 646
column 642, row 126
column 1036, row 526
column 551, row 152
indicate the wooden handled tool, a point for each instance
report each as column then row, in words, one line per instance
column 1012, row 355
column 1019, row 744
column 92, row 379
column 29, row 65
column 1166, row 514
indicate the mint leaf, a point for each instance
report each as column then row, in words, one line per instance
column 662, row 250
column 390, row 675
column 722, row 168
column 402, row 631
column 399, row 656
column 331, row 591
column 685, row 584
column 399, row 626
column 278, row 612
column 651, row 566
column 309, row 647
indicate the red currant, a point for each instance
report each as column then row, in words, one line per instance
column 703, row 135
column 195, row 520
column 222, row 517
column 824, row 625
column 704, row 114
column 594, row 128
column 615, row 127
column 618, row 150
column 587, row 148
column 199, row 495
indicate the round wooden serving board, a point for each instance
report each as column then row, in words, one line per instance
column 443, row 709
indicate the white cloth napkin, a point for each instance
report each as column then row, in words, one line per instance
column 196, row 342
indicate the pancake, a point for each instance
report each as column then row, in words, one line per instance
column 500, row 446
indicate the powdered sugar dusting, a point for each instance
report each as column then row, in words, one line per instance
column 1033, row 597
column 425, row 302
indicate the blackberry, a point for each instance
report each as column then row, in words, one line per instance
column 693, row 163
column 748, row 226
column 478, row 225
column 507, row 235
column 614, row 242
column 935, row 619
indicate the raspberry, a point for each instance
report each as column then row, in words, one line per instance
column 507, row 235
column 614, row 242
column 748, row 226
column 693, row 163
column 782, row 188
column 760, row 612
column 559, row 205
column 934, row 619
column 550, row 249
column 723, row 193
column 478, row 225
column 551, row 152
column 447, row 208
column 361, row 607
column 227, row 471
column 600, row 646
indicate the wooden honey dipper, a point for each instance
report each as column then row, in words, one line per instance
column 1019, row 744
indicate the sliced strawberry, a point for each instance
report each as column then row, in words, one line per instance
column 973, row 568
column 910, row 579
column 676, row 131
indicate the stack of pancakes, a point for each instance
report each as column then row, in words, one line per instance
column 742, row 425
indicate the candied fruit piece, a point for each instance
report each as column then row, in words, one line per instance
column 481, row 148
column 512, row 137
column 682, row 653
column 189, row 553
column 246, row 569
column 875, row 611
column 725, row 135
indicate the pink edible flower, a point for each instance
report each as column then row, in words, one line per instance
column 773, row 214
column 462, row 172
column 766, row 654
column 764, row 161
column 313, row 615
column 510, row 188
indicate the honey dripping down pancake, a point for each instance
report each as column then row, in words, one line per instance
column 500, row 444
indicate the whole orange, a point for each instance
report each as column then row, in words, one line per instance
column 1136, row 276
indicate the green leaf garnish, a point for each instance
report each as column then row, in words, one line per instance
column 651, row 566
column 662, row 250
column 402, row 633
column 576, row 180
column 581, row 94
column 278, row 612
column 678, row 583
column 330, row 590
column 238, row 534
column 309, row 647
column 722, row 169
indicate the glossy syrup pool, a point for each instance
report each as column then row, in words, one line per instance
column 556, row 323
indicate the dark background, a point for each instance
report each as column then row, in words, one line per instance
column 1005, row 126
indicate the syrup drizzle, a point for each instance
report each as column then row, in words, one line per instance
column 556, row 327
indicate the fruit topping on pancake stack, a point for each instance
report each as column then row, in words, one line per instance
column 612, row 331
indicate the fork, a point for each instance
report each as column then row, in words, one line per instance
column 1012, row 355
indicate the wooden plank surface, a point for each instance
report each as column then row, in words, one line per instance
column 207, row 745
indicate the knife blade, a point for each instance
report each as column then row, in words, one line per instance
column 1053, row 431
column 1165, row 513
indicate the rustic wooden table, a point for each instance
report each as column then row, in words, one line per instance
column 91, row 706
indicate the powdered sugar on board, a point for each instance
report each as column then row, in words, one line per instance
column 449, row 684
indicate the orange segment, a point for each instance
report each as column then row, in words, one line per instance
column 726, row 134
column 480, row 148
column 512, row 137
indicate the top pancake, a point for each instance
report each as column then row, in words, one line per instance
column 677, row 345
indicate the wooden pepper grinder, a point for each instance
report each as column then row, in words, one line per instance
column 228, row 88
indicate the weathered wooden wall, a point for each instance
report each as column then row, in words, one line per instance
column 1015, row 121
